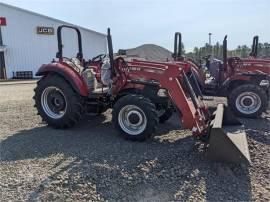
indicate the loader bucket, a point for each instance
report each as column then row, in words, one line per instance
column 227, row 141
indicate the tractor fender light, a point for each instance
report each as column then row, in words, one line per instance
column 264, row 83
column 162, row 92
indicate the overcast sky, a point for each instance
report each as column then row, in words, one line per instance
column 136, row 22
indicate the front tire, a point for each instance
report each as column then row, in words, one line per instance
column 57, row 103
column 248, row 101
column 135, row 117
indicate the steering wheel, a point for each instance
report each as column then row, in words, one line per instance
column 235, row 62
column 206, row 58
column 98, row 58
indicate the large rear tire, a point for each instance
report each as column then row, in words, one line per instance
column 248, row 101
column 57, row 103
column 135, row 117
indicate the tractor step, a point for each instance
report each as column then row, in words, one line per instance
column 98, row 92
column 208, row 98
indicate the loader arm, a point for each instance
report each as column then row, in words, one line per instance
column 172, row 77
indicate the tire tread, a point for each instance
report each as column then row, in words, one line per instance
column 73, row 114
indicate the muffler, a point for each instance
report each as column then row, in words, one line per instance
column 227, row 138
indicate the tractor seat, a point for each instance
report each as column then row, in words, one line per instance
column 75, row 64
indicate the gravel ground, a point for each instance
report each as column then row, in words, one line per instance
column 91, row 162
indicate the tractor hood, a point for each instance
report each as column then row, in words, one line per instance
column 255, row 65
column 256, row 60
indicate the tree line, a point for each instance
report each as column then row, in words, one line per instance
column 217, row 51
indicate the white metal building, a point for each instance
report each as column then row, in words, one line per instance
column 28, row 39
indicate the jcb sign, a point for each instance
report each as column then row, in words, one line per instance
column 45, row 30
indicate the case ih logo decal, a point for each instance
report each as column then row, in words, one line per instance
column 3, row 21
column 45, row 30
column 131, row 68
column 145, row 69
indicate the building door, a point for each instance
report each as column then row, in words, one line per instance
column 2, row 66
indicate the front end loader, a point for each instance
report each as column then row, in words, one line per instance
column 139, row 93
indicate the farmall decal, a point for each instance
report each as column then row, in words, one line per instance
column 149, row 69
column 132, row 68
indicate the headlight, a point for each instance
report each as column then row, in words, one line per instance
column 162, row 93
column 264, row 83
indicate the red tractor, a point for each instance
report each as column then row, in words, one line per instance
column 139, row 93
column 245, row 82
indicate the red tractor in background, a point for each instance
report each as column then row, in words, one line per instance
column 139, row 92
column 244, row 81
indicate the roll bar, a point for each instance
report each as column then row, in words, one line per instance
column 177, row 46
column 254, row 50
column 59, row 54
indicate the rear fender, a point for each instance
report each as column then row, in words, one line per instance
column 67, row 73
